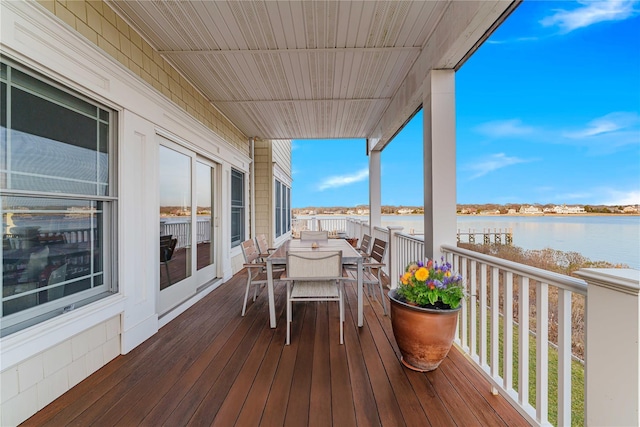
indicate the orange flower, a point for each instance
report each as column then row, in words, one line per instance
column 405, row 278
column 422, row 274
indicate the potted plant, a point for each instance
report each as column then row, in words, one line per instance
column 424, row 313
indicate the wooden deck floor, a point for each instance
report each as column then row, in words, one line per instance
column 210, row 366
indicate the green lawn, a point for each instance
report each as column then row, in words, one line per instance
column 577, row 375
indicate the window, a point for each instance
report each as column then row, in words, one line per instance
column 283, row 208
column 237, row 208
column 56, row 199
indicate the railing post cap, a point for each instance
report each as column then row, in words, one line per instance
column 395, row 227
column 625, row 280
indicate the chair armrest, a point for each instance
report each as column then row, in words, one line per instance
column 374, row 264
column 255, row 265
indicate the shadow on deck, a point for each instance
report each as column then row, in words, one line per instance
column 210, row 366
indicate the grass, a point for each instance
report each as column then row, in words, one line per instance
column 577, row 374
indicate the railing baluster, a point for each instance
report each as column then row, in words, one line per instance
column 542, row 352
column 564, row 357
column 508, row 332
column 473, row 306
column 495, row 323
column 523, row 341
column 464, row 315
column 483, row 315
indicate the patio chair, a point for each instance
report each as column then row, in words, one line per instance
column 314, row 235
column 364, row 246
column 167, row 247
column 263, row 247
column 58, row 275
column 256, row 271
column 314, row 276
column 372, row 274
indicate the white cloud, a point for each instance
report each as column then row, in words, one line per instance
column 589, row 13
column 622, row 198
column 493, row 163
column 607, row 124
column 504, row 128
column 342, row 180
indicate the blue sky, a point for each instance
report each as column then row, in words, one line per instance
column 548, row 111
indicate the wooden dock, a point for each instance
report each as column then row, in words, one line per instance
column 487, row 236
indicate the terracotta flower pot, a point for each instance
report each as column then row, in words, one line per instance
column 424, row 336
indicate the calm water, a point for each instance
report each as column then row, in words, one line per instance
column 615, row 239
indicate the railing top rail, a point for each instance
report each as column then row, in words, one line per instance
column 414, row 238
column 572, row 284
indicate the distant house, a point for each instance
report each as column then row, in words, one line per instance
column 564, row 209
column 630, row 209
column 530, row 210
column 405, row 211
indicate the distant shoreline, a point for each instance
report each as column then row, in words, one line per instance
column 492, row 215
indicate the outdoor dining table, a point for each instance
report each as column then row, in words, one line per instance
column 279, row 257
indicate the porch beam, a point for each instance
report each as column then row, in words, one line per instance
column 439, row 139
column 375, row 196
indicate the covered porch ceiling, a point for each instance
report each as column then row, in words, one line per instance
column 314, row 69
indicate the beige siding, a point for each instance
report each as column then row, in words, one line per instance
column 99, row 24
column 282, row 155
column 263, row 169
column 34, row 383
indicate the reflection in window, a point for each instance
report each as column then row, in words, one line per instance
column 282, row 208
column 204, row 183
column 237, row 207
column 175, row 217
column 56, row 203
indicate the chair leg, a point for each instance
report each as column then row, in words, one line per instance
column 288, row 313
column 246, row 293
column 341, row 307
column 384, row 306
column 166, row 266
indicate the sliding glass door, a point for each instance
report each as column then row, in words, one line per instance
column 187, row 223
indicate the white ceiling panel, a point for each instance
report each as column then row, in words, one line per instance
column 308, row 69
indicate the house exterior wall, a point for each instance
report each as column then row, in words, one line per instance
column 33, row 383
column 87, row 47
column 263, row 170
column 272, row 159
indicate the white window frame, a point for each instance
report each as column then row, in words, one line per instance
column 242, row 207
column 41, row 312
column 281, row 204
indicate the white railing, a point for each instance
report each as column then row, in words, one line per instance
column 497, row 289
column 332, row 225
column 405, row 248
column 357, row 228
column 487, row 327
column 182, row 230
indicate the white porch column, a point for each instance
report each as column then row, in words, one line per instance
column 374, row 191
column 612, row 347
column 439, row 130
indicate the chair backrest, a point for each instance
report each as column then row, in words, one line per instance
column 366, row 241
column 263, row 246
column 37, row 263
column 378, row 250
column 249, row 251
column 167, row 247
column 319, row 265
column 314, row 235
column 58, row 275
